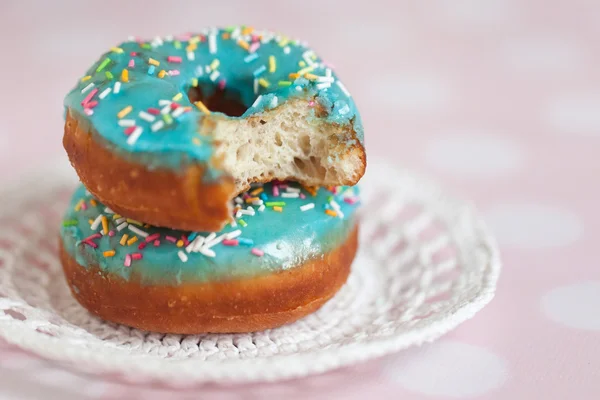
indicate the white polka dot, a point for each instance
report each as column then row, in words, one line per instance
column 576, row 114
column 448, row 368
column 474, row 155
column 415, row 93
column 576, row 306
column 534, row 226
column 539, row 54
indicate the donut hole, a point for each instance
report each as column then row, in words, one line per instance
column 227, row 101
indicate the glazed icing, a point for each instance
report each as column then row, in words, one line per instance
column 135, row 95
column 263, row 239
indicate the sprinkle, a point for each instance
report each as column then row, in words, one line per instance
column 88, row 77
column 273, row 103
column 92, row 237
column 311, row 77
column 157, row 125
column 105, row 93
column 257, row 252
column 117, row 88
column 331, row 213
column 109, row 253
column 307, row 207
column 230, row 242
column 122, row 226
column 182, row 256
column 88, row 87
column 135, row 135
column 136, row 256
column 351, row 200
column 212, row 44
column 321, row 86
column 87, row 98
column 162, row 73
column 261, row 208
column 190, row 56
column 153, row 62
column 70, row 222
column 123, row 239
column 343, row 88
column 275, row 203
column 272, row 64
column 243, row 44
column 111, row 233
column 138, row 231
column 202, row 107
column 257, row 101
column 132, row 241
column 125, row 75
column 156, row 243
column 104, row 225
column 290, row 195
column 178, row 96
column 275, row 191
column 214, row 75
column 215, row 64
column 127, row 262
column 292, row 190
column 152, row 237
column 256, row 191
column 116, row 50
column 174, row 59
column 108, row 74
column 253, row 47
column 286, row 50
column 178, row 112
column 180, row 243
column 91, row 244
column 255, row 86
column 96, row 223
column 131, row 63
column 195, row 82
column 126, row 122
column 207, row 252
column 146, row 117
column 103, row 64
column 151, row 70
column 243, row 223
column 246, row 242
column 171, row 239
column 259, row 70
column 278, row 209
column 153, row 111
column 173, row 72
column 250, row 57
column 166, row 109
column 142, row 246
column 284, row 83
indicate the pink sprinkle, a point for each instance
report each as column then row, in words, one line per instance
column 133, row 54
column 127, row 262
column 130, row 130
column 302, row 196
column 111, row 233
column 275, row 191
column 174, row 59
column 230, row 242
column 90, row 243
column 171, row 239
column 89, row 96
column 351, row 200
column 83, row 206
column 185, row 240
column 131, row 63
column 253, row 47
column 88, row 111
column 174, row 105
column 152, row 237
column 222, row 84
column 94, row 236
column 257, row 252
column 136, row 256
column 255, row 38
column 174, row 72
column 311, row 103
column 246, row 196
column 156, row 243
column 142, row 245
column 92, row 104
column 154, row 111
column 334, row 190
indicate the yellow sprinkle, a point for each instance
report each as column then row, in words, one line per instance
column 191, row 47
column 195, row 40
column 263, row 82
column 108, row 253
column 196, row 141
column 105, row 225
column 93, row 202
column 331, row 213
column 311, row 190
column 251, row 199
column 86, row 78
column 116, row 216
column 132, row 241
column 125, row 75
column 177, row 97
column 152, row 61
column 311, row 77
column 78, row 205
column 294, row 76
column 180, row 243
column 202, row 107
column 215, row 64
column 277, row 208
column 124, row 112
column 124, row 239
column 116, row 50
column 195, row 82
column 272, row 64
column 247, row 30
column 162, row 73
column 133, row 221
column 243, row 44
column 284, row 41
column 306, row 70
column 302, row 64
column 256, row 191
column 91, row 221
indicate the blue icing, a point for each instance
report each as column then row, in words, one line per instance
column 287, row 238
column 224, row 62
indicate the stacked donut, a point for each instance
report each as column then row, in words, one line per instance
column 218, row 172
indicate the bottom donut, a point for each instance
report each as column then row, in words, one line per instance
column 270, row 267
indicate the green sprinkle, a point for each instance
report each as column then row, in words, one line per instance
column 242, row 223
column 145, row 46
column 177, row 44
column 330, row 198
column 168, row 119
column 108, row 74
column 285, row 83
column 70, row 222
column 103, row 64
column 274, row 203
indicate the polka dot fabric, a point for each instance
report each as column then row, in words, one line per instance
column 497, row 99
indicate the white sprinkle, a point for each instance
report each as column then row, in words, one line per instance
column 126, row 122
column 273, row 102
column 214, row 75
column 325, row 79
column 190, row 55
column 88, row 87
column 146, row 116
column 257, row 101
column 215, row 241
column 290, row 195
column 298, row 88
column 337, row 208
column 157, row 125
column 122, row 226
column 138, row 231
column 182, row 256
column 166, row 109
column 164, row 102
column 236, row 33
column 257, row 202
column 207, row 69
column 251, row 210
column 308, row 206
column 207, row 252
column 233, row 224
column 251, row 57
column 324, row 85
column 292, row 190
column 199, row 241
column 135, row 135
column 341, row 85
column 158, row 41
column 328, row 72
column 306, row 57
column 88, row 111
column 244, row 212
column 117, row 88
column 233, row 234
column 238, row 200
column 199, row 70
column 255, row 86
column 105, row 93
column 120, row 220
column 96, row 222
column 286, row 50
column 212, row 44
column 261, row 208
column 211, row 236
column 178, row 111
column 239, row 214
column 344, row 110
column 108, row 210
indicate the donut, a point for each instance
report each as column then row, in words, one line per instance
column 168, row 131
column 287, row 252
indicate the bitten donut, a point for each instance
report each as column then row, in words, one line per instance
column 288, row 251
column 168, row 131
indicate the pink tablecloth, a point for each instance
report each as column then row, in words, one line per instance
column 499, row 100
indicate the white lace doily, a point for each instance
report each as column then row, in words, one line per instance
column 426, row 264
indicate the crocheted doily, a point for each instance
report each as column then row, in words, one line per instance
column 426, row 264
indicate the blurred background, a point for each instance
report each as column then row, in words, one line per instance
column 497, row 99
